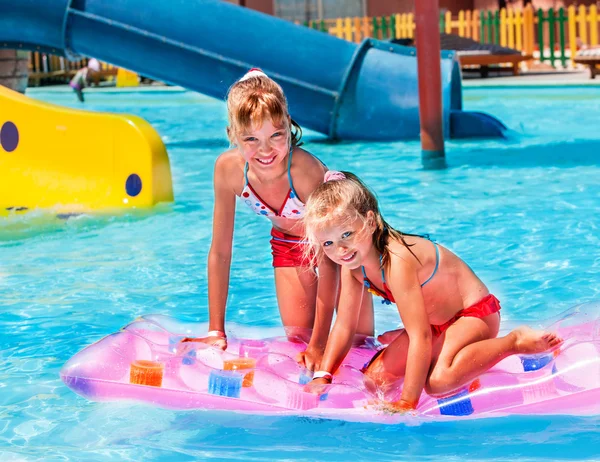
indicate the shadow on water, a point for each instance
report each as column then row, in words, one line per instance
column 571, row 153
column 16, row 227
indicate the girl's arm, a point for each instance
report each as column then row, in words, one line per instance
column 219, row 255
column 343, row 331
column 308, row 173
column 326, row 297
column 406, row 290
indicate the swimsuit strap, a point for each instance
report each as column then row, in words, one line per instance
column 437, row 263
column 246, row 174
column 365, row 279
column 381, row 266
column 290, row 172
column 365, row 273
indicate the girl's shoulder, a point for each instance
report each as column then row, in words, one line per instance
column 406, row 257
column 229, row 167
column 307, row 164
column 230, row 159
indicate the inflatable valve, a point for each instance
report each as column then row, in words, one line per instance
column 145, row 372
column 458, row 404
column 174, row 341
column 225, row 383
column 534, row 363
column 253, row 349
column 241, row 364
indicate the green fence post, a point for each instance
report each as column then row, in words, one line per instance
column 483, row 18
column 384, row 28
column 323, row 26
column 489, row 26
column 393, row 26
column 562, row 19
column 552, row 34
column 497, row 27
column 541, row 20
column 442, row 22
column 375, row 27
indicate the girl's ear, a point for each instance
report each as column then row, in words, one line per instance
column 231, row 139
column 371, row 221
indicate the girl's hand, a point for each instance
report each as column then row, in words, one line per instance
column 398, row 407
column 402, row 406
column 311, row 357
column 317, row 386
column 215, row 341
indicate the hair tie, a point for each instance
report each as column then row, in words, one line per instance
column 254, row 72
column 334, row 175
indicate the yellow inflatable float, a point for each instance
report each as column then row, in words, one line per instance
column 74, row 161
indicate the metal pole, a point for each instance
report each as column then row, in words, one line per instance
column 427, row 17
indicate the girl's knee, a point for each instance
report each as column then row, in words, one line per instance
column 441, row 380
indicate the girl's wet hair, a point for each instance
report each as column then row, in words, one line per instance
column 343, row 201
column 254, row 99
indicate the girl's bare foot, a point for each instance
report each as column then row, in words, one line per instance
column 530, row 341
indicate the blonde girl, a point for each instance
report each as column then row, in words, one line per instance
column 450, row 319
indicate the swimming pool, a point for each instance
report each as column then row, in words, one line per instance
column 522, row 213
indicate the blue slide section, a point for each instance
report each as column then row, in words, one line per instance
column 344, row 90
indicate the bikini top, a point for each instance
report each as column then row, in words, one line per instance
column 386, row 293
column 292, row 206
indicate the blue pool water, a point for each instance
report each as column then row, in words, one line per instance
column 522, row 213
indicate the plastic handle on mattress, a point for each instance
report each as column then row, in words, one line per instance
column 253, row 348
column 301, row 400
column 534, row 363
column 458, row 404
column 225, row 383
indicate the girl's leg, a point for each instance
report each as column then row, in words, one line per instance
column 296, row 289
column 366, row 319
column 79, row 94
column 468, row 348
column 390, row 365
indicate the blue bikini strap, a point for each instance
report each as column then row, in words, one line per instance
column 246, row 174
column 365, row 279
column 290, row 172
column 437, row 263
column 381, row 266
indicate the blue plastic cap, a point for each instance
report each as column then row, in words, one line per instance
column 305, row 377
column 189, row 358
column 534, row 363
column 225, row 383
column 454, row 405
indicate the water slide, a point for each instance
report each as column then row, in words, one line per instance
column 74, row 161
column 345, row 90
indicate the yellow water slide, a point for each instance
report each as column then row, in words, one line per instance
column 74, row 161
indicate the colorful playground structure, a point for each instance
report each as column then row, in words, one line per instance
column 552, row 36
column 75, row 161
